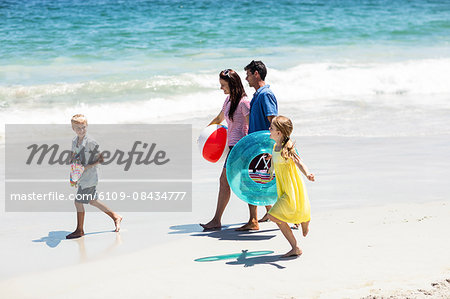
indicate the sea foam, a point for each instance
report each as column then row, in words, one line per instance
column 324, row 89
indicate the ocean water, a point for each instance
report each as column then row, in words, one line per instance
column 345, row 68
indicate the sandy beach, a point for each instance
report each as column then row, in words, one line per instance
column 366, row 246
column 383, row 251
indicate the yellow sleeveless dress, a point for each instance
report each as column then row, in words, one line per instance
column 292, row 204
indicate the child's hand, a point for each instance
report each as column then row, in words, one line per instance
column 100, row 159
column 310, row 177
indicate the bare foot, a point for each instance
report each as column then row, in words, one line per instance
column 213, row 224
column 251, row 225
column 305, row 228
column 293, row 252
column 117, row 222
column 265, row 218
column 295, row 226
column 75, row 234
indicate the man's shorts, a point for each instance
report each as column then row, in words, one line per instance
column 86, row 195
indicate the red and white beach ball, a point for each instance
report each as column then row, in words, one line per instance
column 212, row 142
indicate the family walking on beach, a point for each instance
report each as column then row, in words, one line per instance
column 261, row 113
column 243, row 117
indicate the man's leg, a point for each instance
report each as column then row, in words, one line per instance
column 252, row 224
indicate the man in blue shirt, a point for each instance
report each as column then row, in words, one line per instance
column 263, row 108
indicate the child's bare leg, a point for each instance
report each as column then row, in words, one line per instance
column 114, row 216
column 266, row 216
column 287, row 232
column 305, row 228
column 252, row 223
column 79, row 232
column 222, row 202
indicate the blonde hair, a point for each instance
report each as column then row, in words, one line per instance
column 79, row 119
column 284, row 125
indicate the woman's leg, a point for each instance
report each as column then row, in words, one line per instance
column 222, row 202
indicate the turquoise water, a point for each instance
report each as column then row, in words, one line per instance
column 147, row 61
column 41, row 31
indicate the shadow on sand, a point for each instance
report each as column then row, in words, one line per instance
column 249, row 259
column 261, row 260
column 186, row 229
column 55, row 237
column 232, row 234
column 196, row 228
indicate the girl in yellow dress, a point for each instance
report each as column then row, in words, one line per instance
column 292, row 205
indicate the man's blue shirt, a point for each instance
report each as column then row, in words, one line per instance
column 263, row 104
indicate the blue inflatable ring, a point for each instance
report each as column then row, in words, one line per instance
column 238, row 164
